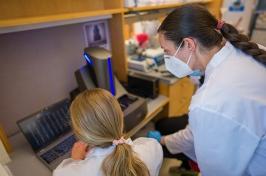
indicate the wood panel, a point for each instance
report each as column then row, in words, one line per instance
column 179, row 94
column 29, row 8
column 215, row 8
column 165, row 6
column 4, row 140
column 56, row 19
column 108, row 4
column 119, row 60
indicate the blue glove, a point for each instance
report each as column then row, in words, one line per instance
column 155, row 135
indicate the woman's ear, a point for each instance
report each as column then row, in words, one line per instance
column 190, row 44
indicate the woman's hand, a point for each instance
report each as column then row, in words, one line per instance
column 162, row 141
column 79, row 150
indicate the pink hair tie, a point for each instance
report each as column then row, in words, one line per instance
column 119, row 141
column 220, row 24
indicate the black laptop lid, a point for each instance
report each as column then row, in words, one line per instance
column 47, row 125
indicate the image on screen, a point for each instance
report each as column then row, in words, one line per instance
column 42, row 128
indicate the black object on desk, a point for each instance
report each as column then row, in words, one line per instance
column 144, row 86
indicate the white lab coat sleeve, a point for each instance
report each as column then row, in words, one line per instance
column 222, row 145
column 181, row 142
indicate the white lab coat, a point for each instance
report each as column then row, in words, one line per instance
column 147, row 149
column 227, row 118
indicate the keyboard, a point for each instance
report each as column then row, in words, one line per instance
column 126, row 100
column 59, row 150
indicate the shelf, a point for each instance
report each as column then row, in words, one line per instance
column 37, row 22
column 163, row 6
column 165, row 79
column 28, row 23
column 155, row 106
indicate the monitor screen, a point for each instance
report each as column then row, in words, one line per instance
column 47, row 125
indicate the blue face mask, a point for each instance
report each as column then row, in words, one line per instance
column 196, row 73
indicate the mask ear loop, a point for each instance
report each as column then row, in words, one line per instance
column 189, row 58
column 178, row 48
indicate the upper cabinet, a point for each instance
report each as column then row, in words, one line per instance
column 16, row 15
column 21, row 15
column 164, row 6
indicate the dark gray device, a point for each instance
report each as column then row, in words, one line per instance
column 144, row 86
column 98, row 73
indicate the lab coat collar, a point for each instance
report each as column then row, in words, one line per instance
column 218, row 58
column 99, row 151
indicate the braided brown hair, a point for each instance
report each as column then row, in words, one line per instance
column 243, row 43
column 196, row 21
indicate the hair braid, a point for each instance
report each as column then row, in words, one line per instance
column 243, row 43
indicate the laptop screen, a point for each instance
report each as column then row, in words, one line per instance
column 47, row 125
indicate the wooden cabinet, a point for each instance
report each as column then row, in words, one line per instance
column 179, row 94
column 4, row 140
column 21, row 15
column 27, row 12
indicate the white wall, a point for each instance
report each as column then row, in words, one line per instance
column 37, row 69
column 241, row 20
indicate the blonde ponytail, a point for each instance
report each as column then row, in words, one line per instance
column 97, row 120
column 123, row 161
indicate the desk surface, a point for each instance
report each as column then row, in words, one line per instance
column 154, row 107
column 25, row 163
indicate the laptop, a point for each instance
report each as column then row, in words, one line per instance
column 49, row 133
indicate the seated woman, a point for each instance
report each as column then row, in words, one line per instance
column 98, row 122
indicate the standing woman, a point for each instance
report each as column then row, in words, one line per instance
column 98, row 121
column 227, row 117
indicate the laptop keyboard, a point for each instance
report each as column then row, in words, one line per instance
column 59, row 150
column 126, row 100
